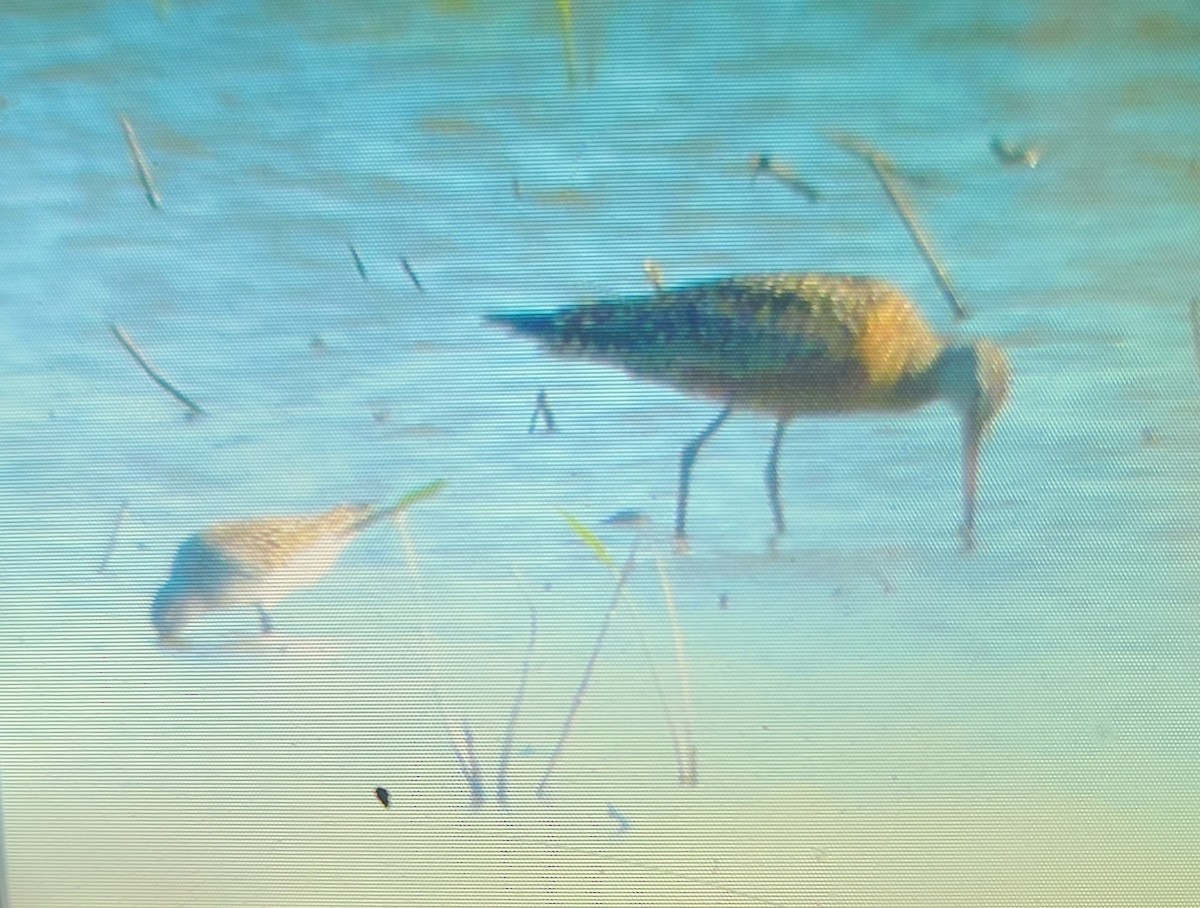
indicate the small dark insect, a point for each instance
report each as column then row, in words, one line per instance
column 384, row 798
column 723, row 602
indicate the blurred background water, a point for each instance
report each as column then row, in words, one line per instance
column 879, row 719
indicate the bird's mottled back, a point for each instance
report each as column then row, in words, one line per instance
column 268, row 543
column 785, row 343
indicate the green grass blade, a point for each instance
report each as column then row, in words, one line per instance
column 566, row 21
column 424, row 493
column 590, row 539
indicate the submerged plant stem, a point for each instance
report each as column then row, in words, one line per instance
column 132, row 349
column 687, row 776
column 518, row 699
column 460, row 742
column 1195, row 307
column 587, row 672
column 112, row 537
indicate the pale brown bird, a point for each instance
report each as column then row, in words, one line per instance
column 254, row 564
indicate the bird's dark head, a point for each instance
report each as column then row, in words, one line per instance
column 975, row 379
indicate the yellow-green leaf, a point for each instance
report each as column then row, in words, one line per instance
column 590, row 539
column 566, row 22
column 416, row 496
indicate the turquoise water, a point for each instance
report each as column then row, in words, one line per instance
column 879, row 719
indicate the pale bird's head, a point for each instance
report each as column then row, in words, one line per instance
column 975, row 378
column 171, row 610
column 200, row 575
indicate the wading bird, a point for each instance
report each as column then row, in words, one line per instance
column 255, row 564
column 785, row 345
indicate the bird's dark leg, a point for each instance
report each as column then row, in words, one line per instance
column 685, row 469
column 771, row 474
column 263, row 618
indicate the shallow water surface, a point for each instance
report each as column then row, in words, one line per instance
column 878, row 718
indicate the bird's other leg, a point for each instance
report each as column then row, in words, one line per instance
column 685, row 471
column 264, row 619
column 771, row 475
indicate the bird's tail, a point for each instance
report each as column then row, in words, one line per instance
column 605, row 330
column 542, row 326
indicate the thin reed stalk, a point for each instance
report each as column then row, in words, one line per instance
column 687, row 776
column 885, row 173
column 412, row 275
column 566, row 21
column 626, row 571
column 138, row 357
column 358, row 262
column 475, row 776
column 4, row 902
column 1195, row 309
column 141, row 164
column 518, row 699
column 112, row 537
column 460, row 742
column 676, row 746
column 542, row 409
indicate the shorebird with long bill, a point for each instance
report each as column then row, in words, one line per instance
column 785, row 345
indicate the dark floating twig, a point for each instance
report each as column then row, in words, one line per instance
column 518, row 699
column 131, row 348
column 412, row 275
column 1195, row 309
column 626, row 571
column 384, row 798
column 782, row 174
column 142, row 165
column 542, row 409
column 358, row 262
column 629, row 518
column 112, row 537
column 886, row 173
